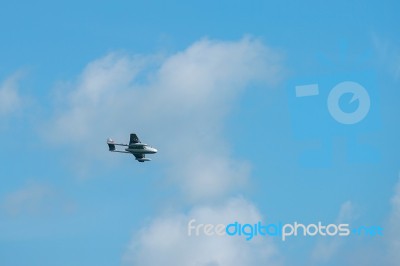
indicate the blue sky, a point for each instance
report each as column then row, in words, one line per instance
column 212, row 85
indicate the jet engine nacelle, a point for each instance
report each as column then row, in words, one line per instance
column 144, row 160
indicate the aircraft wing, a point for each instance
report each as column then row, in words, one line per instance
column 141, row 158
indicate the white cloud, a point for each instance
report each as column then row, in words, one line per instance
column 178, row 103
column 326, row 249
column 165, row 240
column 190, row 88
column 10, row 100
column 34, row 199
column 379, row 250
column 393, row 232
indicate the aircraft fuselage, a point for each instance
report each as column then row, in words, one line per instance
column 141, row 150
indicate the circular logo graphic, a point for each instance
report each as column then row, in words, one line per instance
column 359, row 93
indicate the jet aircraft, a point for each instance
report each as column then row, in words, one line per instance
column 134, row 147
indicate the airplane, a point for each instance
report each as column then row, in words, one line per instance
column 135, row 147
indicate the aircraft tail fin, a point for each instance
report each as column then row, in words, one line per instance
column 111, row 144
column 134, row 139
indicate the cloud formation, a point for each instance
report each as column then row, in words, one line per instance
column 10, row 100
column 178, row 103
column 165, row 240
column 31, row 199
column 326, row 249
column 393, row 234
